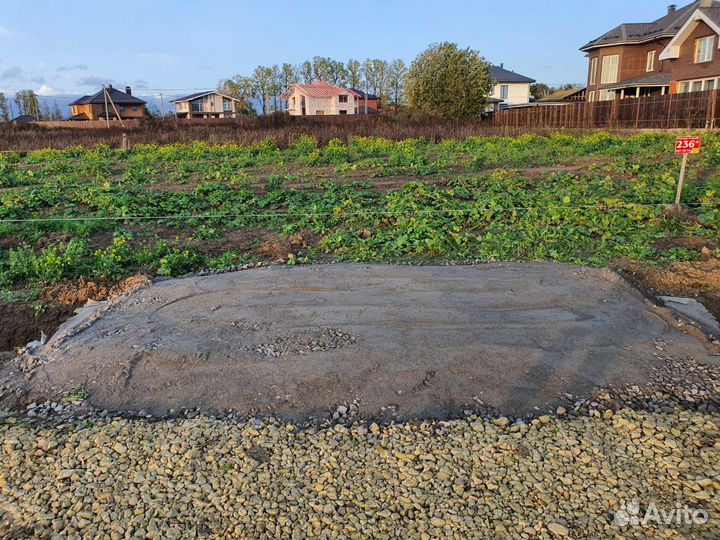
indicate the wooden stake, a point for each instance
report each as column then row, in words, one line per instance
column 681, row 181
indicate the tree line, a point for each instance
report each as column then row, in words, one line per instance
column 27, row 102
column 266, row 83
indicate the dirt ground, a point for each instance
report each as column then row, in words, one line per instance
column 698, row 279
column 401, row 341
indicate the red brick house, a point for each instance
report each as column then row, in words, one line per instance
column 675, row 53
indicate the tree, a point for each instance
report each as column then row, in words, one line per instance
column 27, row 103
column 56, row 114
column 305, row 71
column 4, row 108
column 263, row 86
column 354, row 73
column 287, row 76
column 46, row 112
column 376, row 77
column 242, row 89
column 449, row 81
column 396, row 74
column 539, row 90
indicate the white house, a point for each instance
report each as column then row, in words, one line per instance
column 319, row 98
column 210, row 104
column 510, row 88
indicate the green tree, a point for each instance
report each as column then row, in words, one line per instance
column 376, row 72
column 449, row 81
column 242, row 89
column 4, row 108
column 354, row 73
column 305, row 72
column 397, row 71
column 539, row 90
column 27, row 103
column 263, row 86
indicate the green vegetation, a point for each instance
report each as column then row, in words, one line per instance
column 169, row 210
column 449, row 81
column 78, row 393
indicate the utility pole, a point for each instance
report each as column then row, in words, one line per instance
column 107, row 113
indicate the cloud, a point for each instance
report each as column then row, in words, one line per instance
column 92, row 80
column 140, row 83
column 5, row 32
column 12, row 73
column 38, row 80
column 77, row 67
column 160, row 57
column 46, row 90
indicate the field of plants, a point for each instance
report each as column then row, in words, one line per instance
column 77, row 216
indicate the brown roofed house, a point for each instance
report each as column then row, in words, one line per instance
column 94, row 107
column 675, row 53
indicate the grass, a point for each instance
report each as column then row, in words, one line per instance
column 100, row 213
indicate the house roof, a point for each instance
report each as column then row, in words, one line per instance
column 118, row 97
column 24, row 118
column 197, row 95
column 708, row 15
column 666, row 26
column 562, row 95
column 317, row 89
column 359, row 93
column 502, row 75
column 655, row 79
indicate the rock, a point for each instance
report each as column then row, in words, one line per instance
column 558, row 529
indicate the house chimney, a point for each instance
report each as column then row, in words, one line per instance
column 502, row 65
column 128, row 91
column 672, row 8
column 706, row 3
column 109, row 85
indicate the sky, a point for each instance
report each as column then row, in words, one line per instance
column 68, row 47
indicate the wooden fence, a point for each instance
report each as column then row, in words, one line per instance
column 690, row 110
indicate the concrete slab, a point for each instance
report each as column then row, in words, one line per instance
column 421, row 340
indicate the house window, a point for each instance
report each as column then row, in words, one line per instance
column 607, row 95
column 122, row 108
column 504, row 91
column 704, row 49
column 134, row 108
column 343, row 99
column 593, row 70
column 610, row 65
column 710, row 85
column 343, row 111
column 227, row 105
column 683, row 87
column 592, row 95
column 650, row 65
column 697, row 86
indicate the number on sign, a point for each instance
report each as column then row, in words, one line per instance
column 688, row 145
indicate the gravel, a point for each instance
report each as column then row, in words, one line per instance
column 478, row 477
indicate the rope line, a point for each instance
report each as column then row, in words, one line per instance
column 598, row 206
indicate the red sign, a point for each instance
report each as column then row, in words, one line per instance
column 688, row 145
